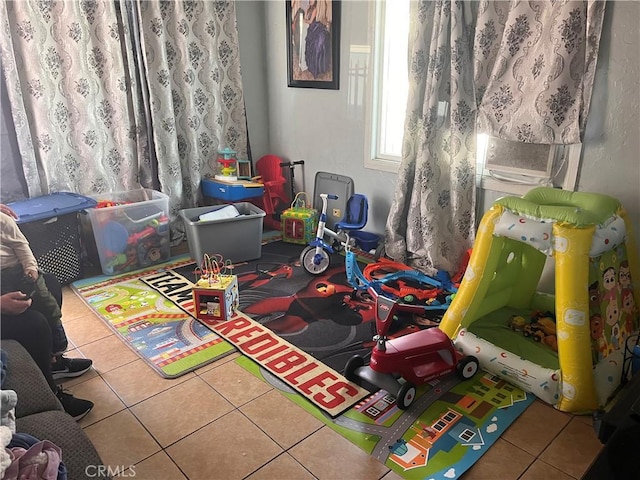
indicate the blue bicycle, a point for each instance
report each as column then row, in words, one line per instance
column 316, row 257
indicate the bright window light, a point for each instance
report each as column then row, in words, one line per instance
column 389, row 86
column 395, row 81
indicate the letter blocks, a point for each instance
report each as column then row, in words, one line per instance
column 215, row 300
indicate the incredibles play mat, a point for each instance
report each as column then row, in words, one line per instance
column 301, row 328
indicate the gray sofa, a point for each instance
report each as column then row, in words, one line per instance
column 40, row 414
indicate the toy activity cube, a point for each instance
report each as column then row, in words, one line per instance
column 216, row 300
column 299, row 222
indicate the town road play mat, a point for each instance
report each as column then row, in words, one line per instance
column 162, row 334
column 449, row 426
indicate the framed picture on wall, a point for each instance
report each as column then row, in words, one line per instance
column 313, row 43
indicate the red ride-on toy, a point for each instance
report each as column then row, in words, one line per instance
column 399, row 364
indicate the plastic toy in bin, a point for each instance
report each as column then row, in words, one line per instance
column 215, row 293
column 136, row 245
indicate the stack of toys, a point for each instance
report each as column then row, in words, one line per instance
column 541, row 327
column 130, row 235
column 228, row 165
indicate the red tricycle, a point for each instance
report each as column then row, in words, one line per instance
column 416, row 357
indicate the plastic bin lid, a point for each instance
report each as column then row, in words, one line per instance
column 47, row 206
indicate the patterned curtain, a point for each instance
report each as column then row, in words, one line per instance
column 535, row 66
column 430, row 224
column 529, row 79
column 192, row 68
column 114, row 95
column 70, row 95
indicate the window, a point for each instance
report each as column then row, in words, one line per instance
column 467, row 435
column 439, row 426
column 389, row 85
column 374, row 412
column 502, row 166
column 449, row 417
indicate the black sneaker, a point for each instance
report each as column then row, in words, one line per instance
column 76, row 407
column 63, row 367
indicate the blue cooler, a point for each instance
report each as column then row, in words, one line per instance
column 51, row 224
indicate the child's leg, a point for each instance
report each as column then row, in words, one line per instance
column 45, row 303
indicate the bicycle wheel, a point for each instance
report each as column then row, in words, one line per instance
column 312, row 263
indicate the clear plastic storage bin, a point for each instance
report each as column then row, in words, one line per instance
column 131, row 229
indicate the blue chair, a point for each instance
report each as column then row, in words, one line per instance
column 355, row 215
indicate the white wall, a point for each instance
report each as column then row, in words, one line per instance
column 321, row 127
column 611, row 154
column 253, row 61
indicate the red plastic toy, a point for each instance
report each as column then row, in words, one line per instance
column 275, row 199
column 417, row 357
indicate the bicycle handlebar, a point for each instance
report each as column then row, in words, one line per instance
column 329, row 196
column 291, row 164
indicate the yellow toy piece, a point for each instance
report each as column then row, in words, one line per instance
column 595, row 300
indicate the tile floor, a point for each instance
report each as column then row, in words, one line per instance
column 220, row 422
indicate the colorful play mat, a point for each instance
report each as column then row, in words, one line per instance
column 170, row 341
column 450, row 425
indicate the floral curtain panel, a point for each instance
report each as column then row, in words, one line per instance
column 534, row 68
column 520, row 71
column 430, row 224
column 115, row 95
column 70, row 96
column 192, row 66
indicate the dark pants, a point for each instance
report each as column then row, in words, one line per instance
column 32, row 330
column 43, row 301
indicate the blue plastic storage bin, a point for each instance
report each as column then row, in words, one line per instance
column 231, row 192
column 50, row 223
